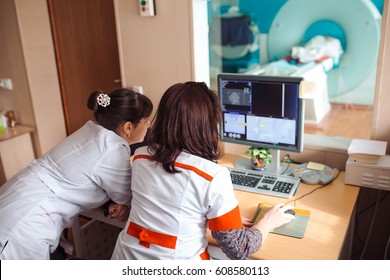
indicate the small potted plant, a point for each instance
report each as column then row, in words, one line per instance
column 261, row 157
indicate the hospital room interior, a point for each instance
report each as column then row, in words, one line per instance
column 53, row 53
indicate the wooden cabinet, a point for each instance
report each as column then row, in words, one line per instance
column 16, row 150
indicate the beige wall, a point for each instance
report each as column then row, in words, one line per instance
column 12, row 66
column 154, row 52
column 28, row 59
column 41, row 69
column 381, row 123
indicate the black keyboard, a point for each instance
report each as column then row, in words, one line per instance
column 264, row 183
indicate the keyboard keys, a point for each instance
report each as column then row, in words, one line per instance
column 283, row 187
column 243, row 180
column 264, row 183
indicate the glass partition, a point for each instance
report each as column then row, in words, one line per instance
column 333, row 44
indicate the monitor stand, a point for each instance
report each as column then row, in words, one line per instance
column 273, row 168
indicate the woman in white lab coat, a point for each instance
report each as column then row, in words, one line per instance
column 84, row 171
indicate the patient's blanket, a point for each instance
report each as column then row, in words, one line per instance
column 279, row 68
column 318, row 47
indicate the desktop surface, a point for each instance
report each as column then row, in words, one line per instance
column 331, row 208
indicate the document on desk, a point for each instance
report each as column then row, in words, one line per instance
column 366, row 151
column 296, row 228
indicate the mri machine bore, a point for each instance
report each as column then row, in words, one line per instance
column 296, row 24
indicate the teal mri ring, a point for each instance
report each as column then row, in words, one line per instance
column 357, row 20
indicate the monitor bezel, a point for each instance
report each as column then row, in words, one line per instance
column 281, row 79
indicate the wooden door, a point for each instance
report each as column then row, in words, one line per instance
column 2, row 174
column 84, row 34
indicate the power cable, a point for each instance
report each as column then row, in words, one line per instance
column 337, row 172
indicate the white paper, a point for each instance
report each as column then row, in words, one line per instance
column 368, row 147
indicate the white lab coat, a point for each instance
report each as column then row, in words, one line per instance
column 84, row 171
column 180, row 205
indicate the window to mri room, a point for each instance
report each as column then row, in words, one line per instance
column 350, row 111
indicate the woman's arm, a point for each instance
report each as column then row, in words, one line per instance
column 238, row 244
column 241, row 243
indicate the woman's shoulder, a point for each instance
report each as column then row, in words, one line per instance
column 141, row 150
column 201, row 163
column 103, row 134
column 96, row 135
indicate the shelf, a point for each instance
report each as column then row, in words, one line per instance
column 12, row 132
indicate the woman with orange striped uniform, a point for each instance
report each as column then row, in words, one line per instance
column 179, row 190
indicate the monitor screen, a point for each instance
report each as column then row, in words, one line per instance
column 263, row 111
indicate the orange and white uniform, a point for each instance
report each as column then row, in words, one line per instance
column 171, row 212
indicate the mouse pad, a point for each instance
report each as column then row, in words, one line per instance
column 296, row 228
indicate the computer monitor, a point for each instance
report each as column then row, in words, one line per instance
column 262, row 111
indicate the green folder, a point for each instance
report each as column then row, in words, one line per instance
column 296, row 228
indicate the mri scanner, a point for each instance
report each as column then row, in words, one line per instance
column 355, row 23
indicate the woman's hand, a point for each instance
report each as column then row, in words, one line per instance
column 273, row 218
column 246, row 222
column 119, row 211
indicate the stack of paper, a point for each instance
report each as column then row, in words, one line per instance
column 366, row 151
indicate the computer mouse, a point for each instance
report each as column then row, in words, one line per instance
column 290, row 211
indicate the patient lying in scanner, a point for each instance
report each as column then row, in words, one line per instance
column 318, row 48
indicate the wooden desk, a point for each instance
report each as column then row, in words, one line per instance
column 331, row 209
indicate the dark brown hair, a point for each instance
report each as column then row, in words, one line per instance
column 187, row 120
column 124, row 105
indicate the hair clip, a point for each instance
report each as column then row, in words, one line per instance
column 103, row 99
